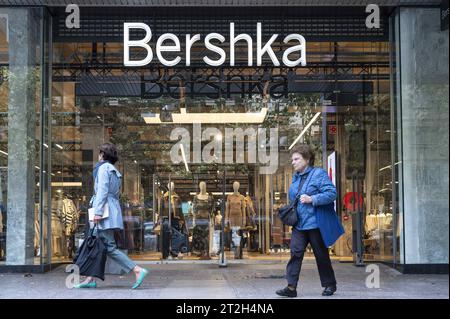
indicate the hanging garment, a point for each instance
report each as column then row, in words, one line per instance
column 69, row 216
column 37, row 229
column 215, row 242
column 250, row 214
column 236, row 242
column 203, row 210
column 57, row 235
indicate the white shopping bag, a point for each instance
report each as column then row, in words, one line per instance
column 105, row 212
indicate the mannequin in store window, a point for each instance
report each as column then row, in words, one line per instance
column 176, row 218
column 218, row 221
column 235, row 218
column 59, row 240
column 203, row 207
column 235, row 208
column 175, row 203
column 249, row 211
column 70, row 216
column 252, row 226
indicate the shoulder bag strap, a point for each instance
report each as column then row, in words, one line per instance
column 300, row 185
column 312, row 172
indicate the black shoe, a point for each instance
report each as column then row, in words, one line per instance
column 328, row 291
column 286, row 292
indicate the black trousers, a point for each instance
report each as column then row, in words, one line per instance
column 299, row 242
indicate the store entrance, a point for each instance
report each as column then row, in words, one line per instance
column 209, row 215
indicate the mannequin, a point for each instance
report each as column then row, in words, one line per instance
column 218, row 221
column 235, row 208
column 190, row 220
column 235, row 218
column 177, row 220
column 175, row 203
column 216, row 230
column 251, row 223
column 203, row 205
column 249, row 211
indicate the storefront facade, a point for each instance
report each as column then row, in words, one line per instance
column 204, row 115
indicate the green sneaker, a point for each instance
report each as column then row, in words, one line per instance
column 91, row 284
column 144, row 272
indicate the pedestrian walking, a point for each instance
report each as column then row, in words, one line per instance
column 107, row 182
column 317, row 223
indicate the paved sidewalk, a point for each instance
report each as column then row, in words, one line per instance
column 238, row 280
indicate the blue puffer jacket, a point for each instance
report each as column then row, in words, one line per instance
column 317, row 185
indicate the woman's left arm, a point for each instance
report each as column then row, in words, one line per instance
column 327, row 191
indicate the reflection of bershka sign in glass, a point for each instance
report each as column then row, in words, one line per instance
column 169, row 42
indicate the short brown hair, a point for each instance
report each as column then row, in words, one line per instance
column 306, row 152
column 109, row 151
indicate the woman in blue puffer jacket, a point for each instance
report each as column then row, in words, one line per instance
column 316, row 190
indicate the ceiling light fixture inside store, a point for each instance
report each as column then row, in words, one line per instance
column 389, row 166
column 4, row 153
column 113, row 102
column 59, row 146
column 208, row 118
column 184, row 158
column 67, row 184
column 214, row 193
column 305, row 129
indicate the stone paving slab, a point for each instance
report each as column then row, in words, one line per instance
column 237, row 281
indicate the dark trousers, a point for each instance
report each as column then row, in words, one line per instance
column 299, row 242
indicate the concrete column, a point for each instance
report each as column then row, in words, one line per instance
column 423, row 97
column 23, row 75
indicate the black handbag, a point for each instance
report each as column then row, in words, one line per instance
column 91, row 257
column 288, row 213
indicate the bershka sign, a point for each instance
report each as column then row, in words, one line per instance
column 169, row 42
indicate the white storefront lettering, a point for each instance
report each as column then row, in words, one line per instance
column 169, row 42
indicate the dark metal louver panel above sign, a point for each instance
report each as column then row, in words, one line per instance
column 231, row 3
column 327, row 28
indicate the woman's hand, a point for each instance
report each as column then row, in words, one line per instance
column 305, row 199
column 97, row 218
